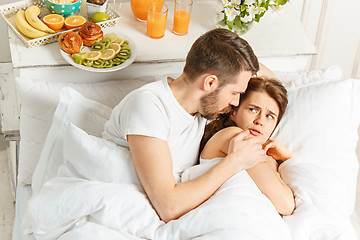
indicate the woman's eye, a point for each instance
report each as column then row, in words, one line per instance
column 252, row 110
column 270, row 116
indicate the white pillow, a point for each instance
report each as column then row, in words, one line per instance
column 72, row 108
column 320, row 126
column 93, row 158
column 38, row 100
column 292, row 79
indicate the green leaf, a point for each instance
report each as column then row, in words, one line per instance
column 237, row 22
column 266, row 6
column 230, row 25
column 281, row 2
column 222, row 23
column 243, row 8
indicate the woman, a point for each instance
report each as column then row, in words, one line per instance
column 258, row 113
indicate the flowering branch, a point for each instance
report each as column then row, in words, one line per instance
column 244, row 12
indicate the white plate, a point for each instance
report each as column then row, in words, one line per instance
column 127, row 62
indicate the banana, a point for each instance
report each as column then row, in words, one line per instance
column 25, row 27
column 31, row 15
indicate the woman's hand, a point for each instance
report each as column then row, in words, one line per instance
column 277, row 151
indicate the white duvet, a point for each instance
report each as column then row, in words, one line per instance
column 96, row 195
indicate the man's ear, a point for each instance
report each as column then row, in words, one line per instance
column 210, row 82
column 232, row 114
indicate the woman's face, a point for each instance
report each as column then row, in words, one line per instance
column 258, row 113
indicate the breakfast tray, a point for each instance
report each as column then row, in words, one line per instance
column 8, row 13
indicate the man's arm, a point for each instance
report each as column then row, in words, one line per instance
column 265, row 71
column 171, row 200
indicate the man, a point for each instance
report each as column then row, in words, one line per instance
column 163, row 122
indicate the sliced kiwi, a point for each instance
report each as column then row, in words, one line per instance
column 106, row 42
column 81, row 55
column 117, row 61
column 125, row 47
column 127, row 51
column 123, row 55
column 98, row 46
column 87, row 63
column 108, row 63
column 98, row 63
column 78, row 60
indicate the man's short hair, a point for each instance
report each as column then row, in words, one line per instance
column 220, row 52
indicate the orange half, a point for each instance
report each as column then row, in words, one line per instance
column 54, row 21
column 74, row 21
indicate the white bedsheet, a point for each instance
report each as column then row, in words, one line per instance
column 23, row 194
column 68, row 206
column 112, row 209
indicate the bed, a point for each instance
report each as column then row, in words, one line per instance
column 60, row 120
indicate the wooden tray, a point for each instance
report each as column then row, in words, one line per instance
column 8, row 13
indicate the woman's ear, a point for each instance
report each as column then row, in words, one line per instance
column 210, row 82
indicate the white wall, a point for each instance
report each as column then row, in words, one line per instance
column 333, row 26
column 4, row 43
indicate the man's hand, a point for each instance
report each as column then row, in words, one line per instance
column 277, row 151
column 245, row 151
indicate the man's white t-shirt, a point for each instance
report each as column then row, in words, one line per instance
column 153, row 111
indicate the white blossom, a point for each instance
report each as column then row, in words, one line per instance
column 235, row 3
column 249, row 2
column 231, row 9
column 246, row 19
column 231, row 13
column 276, row 9
column 252, row 11
column 225, row 3
column 262, row 9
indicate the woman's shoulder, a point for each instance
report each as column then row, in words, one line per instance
column 228, row 133
column 218, row 144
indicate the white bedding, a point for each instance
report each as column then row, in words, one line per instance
column 235, row 210
column 23, row 194
column 102, row 202
column 80, row 203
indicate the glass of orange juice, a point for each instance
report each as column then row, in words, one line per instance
column 156, row 19
column 182, row 13
column 140, row 8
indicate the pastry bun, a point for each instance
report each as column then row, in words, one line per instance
column 70, row 42
column 90, row 33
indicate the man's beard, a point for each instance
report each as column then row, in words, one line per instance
column 209, row 107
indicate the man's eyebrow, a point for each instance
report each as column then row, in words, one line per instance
column 258, row 107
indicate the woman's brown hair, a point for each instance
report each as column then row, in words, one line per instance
column 272, row 87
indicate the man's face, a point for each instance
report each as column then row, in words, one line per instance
column 221, row 100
